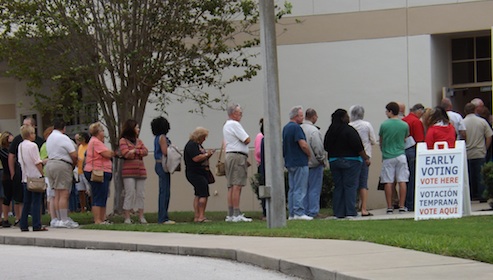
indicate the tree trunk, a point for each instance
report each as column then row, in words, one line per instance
column 119, row 194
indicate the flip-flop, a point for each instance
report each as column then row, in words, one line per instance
column 367, row 214
column 204, row 221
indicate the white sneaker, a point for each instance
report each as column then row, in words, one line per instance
column 229, row 219
column 68, row 224
column 127, row 221
column 143, row 220
column 302, row 217
column 54, row 223
column 290, row 218
column 241, row 218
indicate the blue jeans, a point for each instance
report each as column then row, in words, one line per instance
column 312, row 198
column 99, row 190
column 32, row 205
column 411, row 163
column 345, row 174
column 73, row 203
column 164, row 193
column 298, row 182
column 475, row 179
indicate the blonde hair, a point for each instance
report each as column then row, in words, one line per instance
column 26, row 131
column 198, row 133
column 95, row 128
column 4, row 139
column 47, row 132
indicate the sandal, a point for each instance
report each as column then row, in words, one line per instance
column 40, row 229
column 205, row 220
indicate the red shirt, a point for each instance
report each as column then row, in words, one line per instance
column 437, row 133
column 416, row 128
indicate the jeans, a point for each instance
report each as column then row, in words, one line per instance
column 73, row 202
column 164, row 193
column 298, row 183
column 475, row 179
column 312, row 198
column 345, row 174
column 99, row 190
column 32, row 205
column 411, row 163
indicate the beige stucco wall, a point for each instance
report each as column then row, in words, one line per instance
column 182, row 191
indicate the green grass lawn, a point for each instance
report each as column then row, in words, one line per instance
column 468, row 237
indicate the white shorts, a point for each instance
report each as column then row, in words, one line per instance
column 394, row 170
column 50, row 193
column 83, row 184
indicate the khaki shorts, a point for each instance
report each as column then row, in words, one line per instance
column 394, row 170
column 236, row 169
column 60, row 174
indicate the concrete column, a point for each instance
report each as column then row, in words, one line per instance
column 274, row 163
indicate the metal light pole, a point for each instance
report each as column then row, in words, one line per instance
column 274, row 167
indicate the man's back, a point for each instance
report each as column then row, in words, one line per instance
column 393, row 133
column 477, row 130
column 293, row 154
column 457, row 121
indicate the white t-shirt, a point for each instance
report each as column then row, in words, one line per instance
column 457, row 121
column 59, row 146
column 234, row 136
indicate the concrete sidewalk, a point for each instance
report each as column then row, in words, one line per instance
column 305, row 258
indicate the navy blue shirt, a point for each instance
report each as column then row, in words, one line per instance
column 293, row 154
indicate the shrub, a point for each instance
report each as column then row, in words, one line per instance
column 487, row 174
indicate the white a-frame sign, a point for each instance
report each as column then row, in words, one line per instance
column 442, row 187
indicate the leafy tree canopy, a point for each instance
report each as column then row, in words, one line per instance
column 123, row 53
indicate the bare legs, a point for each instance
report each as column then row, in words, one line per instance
column 402, row 194
column 234, row 193
column 199, row 205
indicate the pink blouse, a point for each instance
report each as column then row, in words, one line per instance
column 94, row 159
column 28, row 158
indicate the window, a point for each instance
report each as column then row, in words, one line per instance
column 471, row 60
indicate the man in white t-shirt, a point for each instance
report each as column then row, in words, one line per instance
column 455, row 118
column 236, row 146
column 62, row 158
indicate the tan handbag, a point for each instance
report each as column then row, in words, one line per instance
column 36, row 184
column 97, row 175
column 220, row 167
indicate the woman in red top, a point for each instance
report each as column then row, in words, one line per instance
column 439, row 129
column 133, row 172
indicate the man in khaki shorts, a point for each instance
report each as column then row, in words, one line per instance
column 62, row 157
column 236, row 146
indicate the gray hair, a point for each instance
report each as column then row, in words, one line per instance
column 356, row 112
column 310, row 112
column 232, row 107
column 294, row 111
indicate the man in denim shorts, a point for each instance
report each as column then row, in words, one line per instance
column 393, row 133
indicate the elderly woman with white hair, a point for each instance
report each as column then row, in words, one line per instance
column 367, row 135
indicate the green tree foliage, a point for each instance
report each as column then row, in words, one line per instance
column 122, row 54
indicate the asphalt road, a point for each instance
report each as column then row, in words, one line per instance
column 25, row 262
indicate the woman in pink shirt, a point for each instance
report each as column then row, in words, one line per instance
column 98, row 157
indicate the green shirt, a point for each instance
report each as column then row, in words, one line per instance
column 393, row 133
